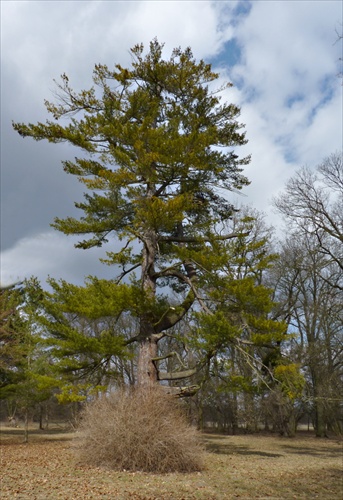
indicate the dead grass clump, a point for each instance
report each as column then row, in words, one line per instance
column 141, row 430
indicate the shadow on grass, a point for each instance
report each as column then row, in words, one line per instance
column 220, row 445
column 223, row 448
column 314, row 452
column 16, row 435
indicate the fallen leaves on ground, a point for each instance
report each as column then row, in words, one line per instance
column 244, row 467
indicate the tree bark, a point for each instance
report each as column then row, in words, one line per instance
column 146, row 370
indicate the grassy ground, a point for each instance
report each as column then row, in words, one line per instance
column 244, row 467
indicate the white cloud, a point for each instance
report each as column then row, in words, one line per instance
column 182, row 23
column 290, row 96
column 51, row 254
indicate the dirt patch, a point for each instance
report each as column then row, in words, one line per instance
column 244, row 467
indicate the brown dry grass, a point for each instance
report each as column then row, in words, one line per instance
column 244, row 467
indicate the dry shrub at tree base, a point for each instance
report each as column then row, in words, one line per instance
column 140, row 430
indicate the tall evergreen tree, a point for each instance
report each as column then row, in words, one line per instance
column 160, row 155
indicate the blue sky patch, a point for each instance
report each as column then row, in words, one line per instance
column 229, row 56
column 242, row 9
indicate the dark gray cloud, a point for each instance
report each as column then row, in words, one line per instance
column 34, row 189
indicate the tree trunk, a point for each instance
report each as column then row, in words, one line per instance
column 200, row 416
column 26, row 426
column 146, row 370
column 234, row 420
column 319, row 414
column 320, row 426
column 40, row 425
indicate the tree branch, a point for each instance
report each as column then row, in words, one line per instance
column 177, row 375
column 192, row 239
column 183, row 392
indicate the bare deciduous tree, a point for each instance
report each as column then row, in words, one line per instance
column 312, row 203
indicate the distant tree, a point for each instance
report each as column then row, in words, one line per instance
column 314, row 313
column 160, row 149
column 309, row 283
column 312, row 203
column 26, row 374
column 13, row 335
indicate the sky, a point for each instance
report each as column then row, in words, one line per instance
column 281, row 56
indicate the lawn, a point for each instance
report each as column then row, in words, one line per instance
column 244, row 467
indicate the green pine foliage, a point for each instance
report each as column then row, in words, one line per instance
column 239, row 305
column 80, row 328
column 153, row 133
